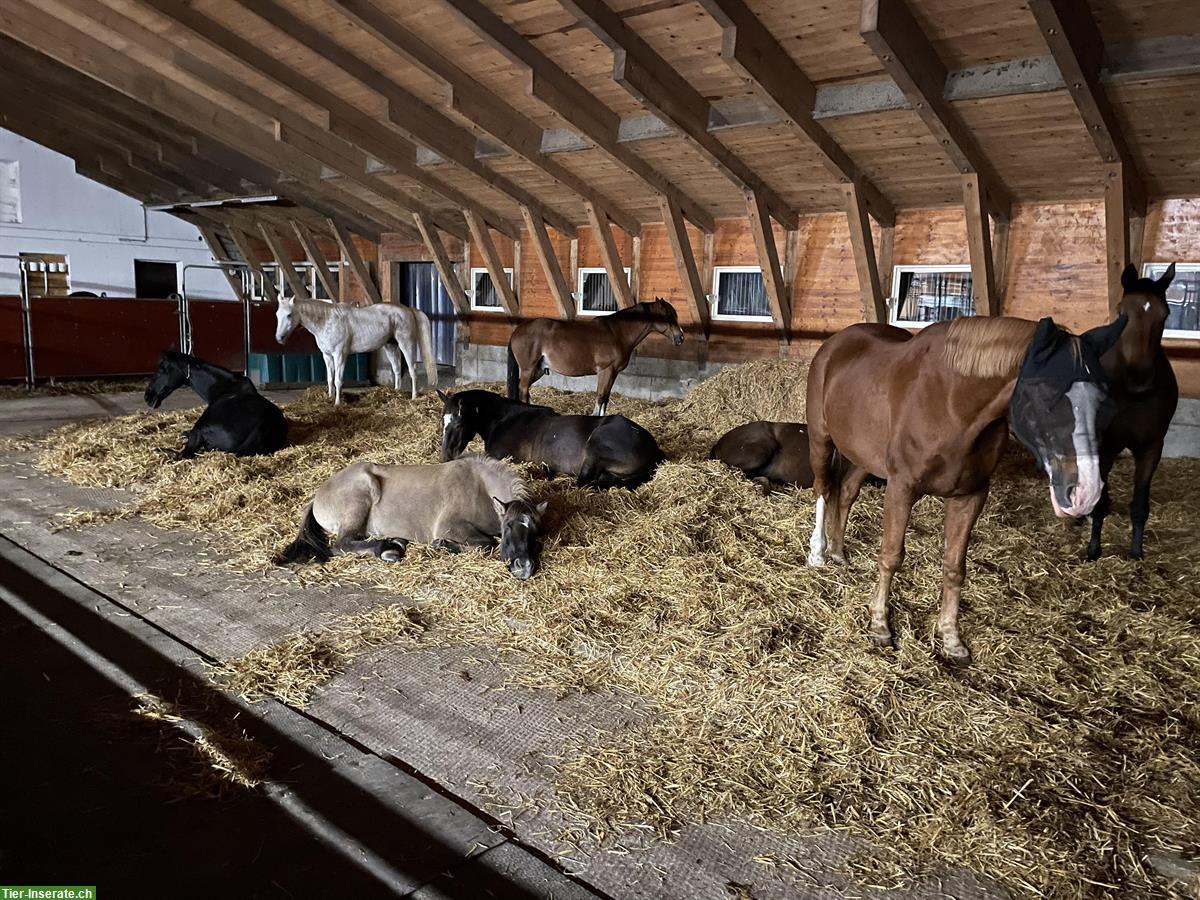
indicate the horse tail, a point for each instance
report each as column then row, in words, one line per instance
column 426, row 336
column 310, row 545
column 514, row 374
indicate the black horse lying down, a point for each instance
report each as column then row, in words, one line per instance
column 600, row 451
column 238, row 420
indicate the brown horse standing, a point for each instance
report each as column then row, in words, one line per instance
column 1146, row 394
column 601, row 347
column 927, row 412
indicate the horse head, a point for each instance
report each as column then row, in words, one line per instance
column 287, row 319
column 456, row 430
column 1060, row 405
column 666, row 320
column 172, row 372
column 1145, row 304
column 520, row 535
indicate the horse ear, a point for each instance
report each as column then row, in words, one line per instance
column 1102, row 338
column 1129, row 278
column 445, row 397
column 542, row 507
column 1045, row 339
column 501, row 506
column 1165, row 280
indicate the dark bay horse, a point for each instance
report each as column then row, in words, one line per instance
column 470, row 502
column 238, row 420
column 770, row 453
column 599, row 347
column 600, row 451
column 928, row 413
column 1146, row 393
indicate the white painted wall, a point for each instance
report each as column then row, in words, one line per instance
column 100, row 230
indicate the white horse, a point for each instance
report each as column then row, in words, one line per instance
column 341, row 330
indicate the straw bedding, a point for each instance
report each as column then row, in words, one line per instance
column 1068, row 752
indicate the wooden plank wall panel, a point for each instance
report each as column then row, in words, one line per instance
column 1121, row 21
column 973, row 32
column 931, row 237
column 822, row 38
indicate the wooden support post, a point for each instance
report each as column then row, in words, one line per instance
column 1116, row 231
column 1137, row 238
column 574, row 271
column 685, row 262
column 768, row 261
column 315, row 258
column 611, row 258
column 979, row 245
column 352, row 256
column 887, row 259
column 491, row 259
column 869, row 288
column 550, row 267
column 441, row 259
column 635, row 269
column 1000, row 235
column 232, row 276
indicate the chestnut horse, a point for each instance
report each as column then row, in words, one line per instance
column 927, row 412
column 770, row 453
column 1146, row 394
column 601, row 347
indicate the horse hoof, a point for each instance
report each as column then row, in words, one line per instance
column 959, row 656
column 816, row 560
column 1093, row 552
column 837, row 559
column 392, row 552
column 1136, row 555
column 882, row 640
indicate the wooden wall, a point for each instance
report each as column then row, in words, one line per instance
column 1055, row 267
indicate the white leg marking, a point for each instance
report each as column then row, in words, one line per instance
column 816, row 544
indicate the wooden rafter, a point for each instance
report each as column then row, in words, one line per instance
column 752, row 51
column 283, row 262
column 979, row 245
column 768, row 261
column 1123, row 231
column 568, row 99
column 905, row 52
column 549, row 262
column 315, row 257
column 480, row 106
column 63, row 34
column 441, row 260
column 491, row 261
column 656, row 85
column 1078, row 49
column 865, row 263
column 617, row 279
column 354, row 258
column 213, row 242
column 685, row 262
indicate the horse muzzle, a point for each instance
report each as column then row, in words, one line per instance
column 1076, row 494
column 521, row 568
column 677, row 339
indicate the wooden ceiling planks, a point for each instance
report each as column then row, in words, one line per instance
column 822, row 38
column 975, row 32
column 1125, row 21
column 1160, row 119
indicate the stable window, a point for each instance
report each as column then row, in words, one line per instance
column 1183, row 298
column 484, row 295
column 922, row 295
column 594, row 292
column 155, row 280
column 10, row 192
column 740, row 294
column 268, row 288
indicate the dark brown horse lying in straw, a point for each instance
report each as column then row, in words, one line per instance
column 600, row 451
column 470, row 502
column 1146, row 394
column 770, row 453
column 601, row 347
column 928, row 413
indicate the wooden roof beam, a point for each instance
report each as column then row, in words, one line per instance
column 621, row 288
column 482, row 239
column 315, row 257
column 752, row 51
column 354, row 258
column 473, row 101
column 685, row 263
column 572, row 102
column 768, row 261
column 445, row 268
column 416, row 120
column 550, row 265
column 666, row 93
column 60, row 33
column 1078, row 49
column 283, row 262
column 889, row 29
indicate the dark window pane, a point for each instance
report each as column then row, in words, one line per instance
column 485, row 291
column 934, row 296
column 1183, row 297
column 154, row 279
column 742, row 294
column 597, row 293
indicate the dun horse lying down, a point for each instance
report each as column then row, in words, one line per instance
column 469, row 502
column 600, row 451
column 238, row 419
column 931, row 414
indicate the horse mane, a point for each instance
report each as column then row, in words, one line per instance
column 502, row 482
column 987, row 346
column 642, row 308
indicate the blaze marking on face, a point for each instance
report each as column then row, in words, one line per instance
column 446, row 420
column 816, row 544
column 1085, row 400
column 1146, row 308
